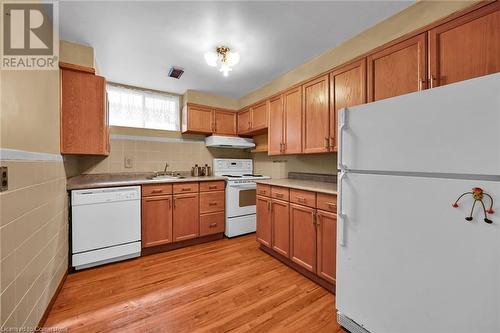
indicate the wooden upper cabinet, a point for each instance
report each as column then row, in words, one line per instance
column 197, row 119
column 326, row 224
column 292, row 138
column 466, row 47
column 186, row 216
column 156, row 220
column 259, row 116
column 225, row 122
column 84, row 113
column 398, row 69
column 264, row 226
column 347, row 88
column 303, row 236
column 244, row 121
column 280, row 227
column 316, row 116
column 276, row 126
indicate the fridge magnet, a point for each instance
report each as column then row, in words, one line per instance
column 478, row 195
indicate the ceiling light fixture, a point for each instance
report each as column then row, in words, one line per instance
column 224, row 58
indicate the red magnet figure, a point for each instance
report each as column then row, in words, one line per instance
column 478, row 195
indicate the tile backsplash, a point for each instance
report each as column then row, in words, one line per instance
column 151, row 155
column 280, row 166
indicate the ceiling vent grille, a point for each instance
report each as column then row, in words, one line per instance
column 175, row 72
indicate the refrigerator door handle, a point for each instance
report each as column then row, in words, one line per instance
column 340, row 210
column 342, row 123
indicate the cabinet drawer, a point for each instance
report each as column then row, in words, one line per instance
column 280, row 193
column 156, row 189
column 185, row 188
column 211, row 223
column 264, row 190
column 211, row 202
column 327, row 202
column 305, row 198
column 212, row 186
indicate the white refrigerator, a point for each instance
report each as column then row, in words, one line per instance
column 408, row 260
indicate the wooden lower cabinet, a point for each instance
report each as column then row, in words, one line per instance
column 264, row 225
column 156, row 220
column 303, row 236
column 326, row 224
column 300, row 230
column 186, row 215
column 281, row 227
column 212, row 223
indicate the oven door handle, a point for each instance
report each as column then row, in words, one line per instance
column 245, row 186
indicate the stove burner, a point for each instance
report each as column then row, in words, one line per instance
column 251, row 175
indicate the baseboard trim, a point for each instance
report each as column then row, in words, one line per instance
column 45, row 315
column 178, row 245
column 311, row 276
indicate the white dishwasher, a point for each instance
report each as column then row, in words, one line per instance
column 105, row 225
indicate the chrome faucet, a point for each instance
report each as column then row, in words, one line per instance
column 166, row 166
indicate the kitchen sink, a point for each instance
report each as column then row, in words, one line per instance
column 160, row 177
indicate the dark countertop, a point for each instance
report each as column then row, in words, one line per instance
column 299, row 184
column 88, row 181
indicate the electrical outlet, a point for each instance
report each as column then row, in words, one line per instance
column 4, row 179
column 129, row 162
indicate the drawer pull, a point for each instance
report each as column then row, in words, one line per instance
column 157, row 191
column 332, row 205
column 262, row 192
column 186, row 189
column 213, row 203
column 279, row 195
column 212, row 187
column 301, row 199
column 212, row 225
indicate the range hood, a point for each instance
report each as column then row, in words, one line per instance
column 220, row 141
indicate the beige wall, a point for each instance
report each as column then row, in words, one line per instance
column 199, row 97
column 414, row 17
column 150, row 155
column 76, row 54
column 280, row 166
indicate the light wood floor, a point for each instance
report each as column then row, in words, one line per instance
column 227, row 285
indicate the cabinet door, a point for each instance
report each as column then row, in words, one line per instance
column 264, row 226
column 244, row 121
column 347, row 88
column 398, row 69
column 200, row 119
column 84, row 123
column 316, row 119
column 326, row 241
column 293, row 121
column 156, row 220
column 281, row 227
column 303, row 236
column 466, row 47
column 276, row 125
column 186, row 216
column 259, row 116
column 225, row 122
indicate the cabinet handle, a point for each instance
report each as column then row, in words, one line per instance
column 313, row 218
column 421, row 84
column 316, row 218
column 213, row 187
column 279, row 195
column 212, row 225
column 332, row 205
column 213, row 203
column 249, row 125
column 157, row 191
column 301, row 199
column 327, row 142
column 262, row 192
column 332, row 141
column 175, row 200
column 185, row 188
column 169, row 203
column 432, row 81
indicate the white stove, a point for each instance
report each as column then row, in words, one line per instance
column 240, row 194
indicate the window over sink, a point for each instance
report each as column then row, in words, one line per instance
column 140, row 108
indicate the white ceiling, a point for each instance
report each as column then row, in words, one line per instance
column 136, row 42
